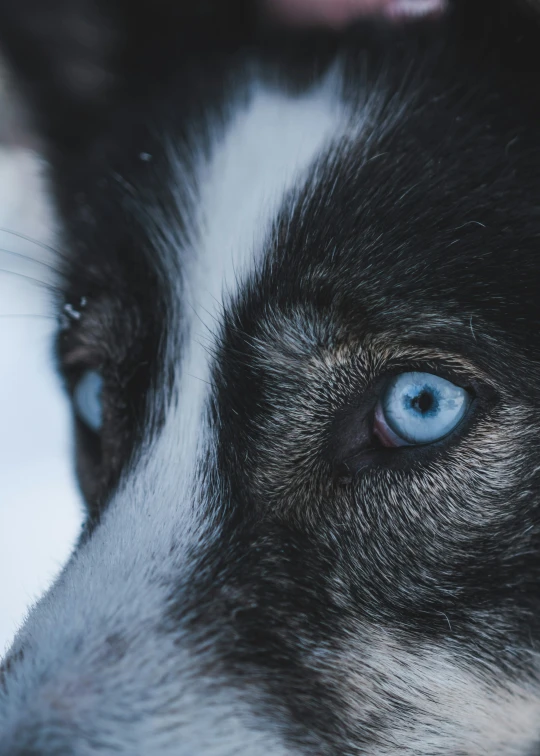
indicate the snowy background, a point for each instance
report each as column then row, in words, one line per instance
column 40, row 509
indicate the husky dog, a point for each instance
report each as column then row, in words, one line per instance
column 300, row 329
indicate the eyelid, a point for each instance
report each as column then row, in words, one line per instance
column 383, row 432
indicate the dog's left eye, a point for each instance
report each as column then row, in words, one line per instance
column 419, row 408
column 87, row 400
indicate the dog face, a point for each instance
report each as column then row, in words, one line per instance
column 300, row 336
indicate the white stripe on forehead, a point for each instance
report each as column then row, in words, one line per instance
column 269, row 143
column 265, row 151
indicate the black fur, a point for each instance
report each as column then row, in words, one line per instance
column 428, row 240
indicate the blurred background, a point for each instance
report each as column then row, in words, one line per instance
column 40, row 509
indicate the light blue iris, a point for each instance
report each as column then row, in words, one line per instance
column 422, row 408
column 87, row 400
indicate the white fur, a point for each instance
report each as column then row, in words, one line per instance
column 261, row 157
column 451, row 706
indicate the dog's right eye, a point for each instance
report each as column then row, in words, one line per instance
column 87, row 400
column 418, row 409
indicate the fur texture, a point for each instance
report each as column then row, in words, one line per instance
column 259, row 235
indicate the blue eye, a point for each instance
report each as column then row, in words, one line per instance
column 87, row 400
column 419, row 408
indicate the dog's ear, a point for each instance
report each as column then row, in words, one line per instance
column 74, row 59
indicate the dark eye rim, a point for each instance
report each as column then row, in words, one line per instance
column 348, row 461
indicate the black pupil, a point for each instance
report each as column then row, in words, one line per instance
column 423, row 402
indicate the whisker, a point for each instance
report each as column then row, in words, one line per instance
column 196, row 377
column 27, row 316
column 205, row 325
column 31, row 279
column 241, row 332
column 29, row 259
column 31, row 239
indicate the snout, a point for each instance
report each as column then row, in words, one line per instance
column 127, row 654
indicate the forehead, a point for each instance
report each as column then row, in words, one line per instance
column 399, row 193
column 415, row 218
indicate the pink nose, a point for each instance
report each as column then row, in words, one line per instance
column 340, row 12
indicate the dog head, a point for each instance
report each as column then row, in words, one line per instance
column 300, row 334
